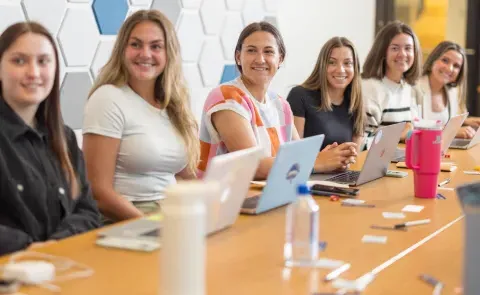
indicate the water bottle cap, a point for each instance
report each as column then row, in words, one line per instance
column 302, row 189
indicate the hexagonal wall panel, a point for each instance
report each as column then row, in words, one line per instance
column 10, row 14
column 272, row 5
column 232, row 28
column 73, row 97
column 230, row 72
column 78, row 42
column 49, row 13
column 253, row 11
column 213, row 15
column 110, row 15
column 235, row 4
column 190, row 35
column 171, row 9
column 211, row 62
column 104, row 51
column 190, row 4
column 80, row 1
column 141, row 2
column 272, row 20
column 192, row 75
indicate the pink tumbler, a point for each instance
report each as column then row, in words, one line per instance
column 423, row 156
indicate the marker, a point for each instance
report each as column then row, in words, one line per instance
column 411, row 223
column 337, row 272
column 444, row 182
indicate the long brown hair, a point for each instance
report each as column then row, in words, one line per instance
column 48, row 111
column 461, row 82
column 170, row 87
column 318, row 81
column 375, row 63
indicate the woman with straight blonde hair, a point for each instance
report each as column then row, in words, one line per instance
column 330, row 100
column 390, row 71
column 139, row 131
column 443, row 86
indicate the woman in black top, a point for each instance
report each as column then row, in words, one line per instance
column 44, row 194
column 330, row 101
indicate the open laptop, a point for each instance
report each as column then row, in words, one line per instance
column 448, row 135
column 465, row 144
column 292, row 166
column 233, row 172
column 378, row 157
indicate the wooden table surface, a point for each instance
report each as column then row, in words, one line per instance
column 247, row 258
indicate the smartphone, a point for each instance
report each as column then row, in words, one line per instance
column 327, row 190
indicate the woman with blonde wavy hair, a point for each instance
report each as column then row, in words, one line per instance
column 330, row 100
column 139, row 131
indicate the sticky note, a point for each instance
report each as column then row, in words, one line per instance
column 393, row 215
column 353, row 201
column 155, row 217
column 412, row 208
column 374, row 239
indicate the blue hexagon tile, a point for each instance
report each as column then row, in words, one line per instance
column 110, row 15
column 10, row 14
column 78, row 42
column 230, row 72
column 170, row 8
column 49, row 13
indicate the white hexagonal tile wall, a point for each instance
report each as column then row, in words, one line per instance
column 232, row 28
column 211, row 62
column 171, row 9
column 104, row 51
column 10, row 14
column 80, row 1
column 192, row 75
column 73, row 96
column 190, row 35
column 190, row 4
column 141, row 2
column 78, row 42
column 272, row 20
column 235, row 4
column 253, row 11
column 213, row 15
column 49, row 13
column 272, row 5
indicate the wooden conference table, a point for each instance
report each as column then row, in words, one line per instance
column 248, row 257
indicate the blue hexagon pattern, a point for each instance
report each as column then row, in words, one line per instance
column 230, row 72
column 110, row 15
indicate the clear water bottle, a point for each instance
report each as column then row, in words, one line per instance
column 302, row 226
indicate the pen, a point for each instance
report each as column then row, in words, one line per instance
column 410, row 223
column 444, row 182
column 358, row 205
column 335, row 273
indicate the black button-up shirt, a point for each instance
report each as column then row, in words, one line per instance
column 35, row 199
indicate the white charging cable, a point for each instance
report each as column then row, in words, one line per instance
column 40, row 269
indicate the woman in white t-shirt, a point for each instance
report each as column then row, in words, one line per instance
column 139, row 131
column 442, row 88
column 390, row 70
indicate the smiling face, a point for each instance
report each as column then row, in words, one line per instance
column 340, row 68
column 27, row 70
column 400, row 54
column 146, row 55
column 259, row 57
column 446, row 69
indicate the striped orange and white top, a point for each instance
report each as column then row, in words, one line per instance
column 271, row 121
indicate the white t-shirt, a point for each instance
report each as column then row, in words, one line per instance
column 151, row 150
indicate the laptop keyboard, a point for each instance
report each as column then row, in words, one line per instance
column 251, row 203
column 460, row 142
column 346, row 177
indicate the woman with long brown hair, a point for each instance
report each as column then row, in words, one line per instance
column 43, row 188
column 330, row 100
column 139, row 131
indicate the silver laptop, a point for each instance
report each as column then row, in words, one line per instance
column 378, row 157
column 293, row 165
column 448, row 135
column 465, row 144
column 233, row 171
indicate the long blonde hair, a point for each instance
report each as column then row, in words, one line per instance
column 170, row 87
column 461, row 82
column 375, row 65
column 318, row 81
